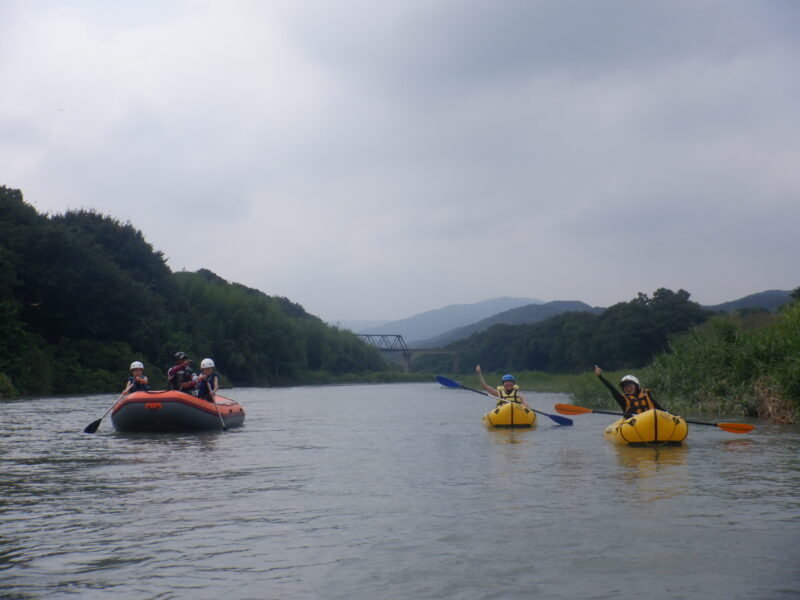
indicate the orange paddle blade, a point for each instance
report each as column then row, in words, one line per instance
column 736, row 427
column 571, row 409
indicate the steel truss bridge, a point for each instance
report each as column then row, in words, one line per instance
column 396, row 343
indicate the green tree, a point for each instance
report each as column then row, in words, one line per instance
column 627, row 334
column 82, row 291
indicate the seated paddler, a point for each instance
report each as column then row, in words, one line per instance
column 633, row 399
column 180, row 376
column 508, row 391
column 208, row 381
column 137, row 382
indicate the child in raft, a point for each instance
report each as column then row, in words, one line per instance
column 633, row 399
column 137, row 382
column 208, row 381
column 508, row 392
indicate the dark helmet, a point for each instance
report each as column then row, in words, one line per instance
column 181, row 356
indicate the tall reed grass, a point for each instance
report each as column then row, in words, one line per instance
column 727, row 367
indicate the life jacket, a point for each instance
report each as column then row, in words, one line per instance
column 178, row 375
column 506, row 396
column 638, row 403
column 204, row 387
column 137, row 386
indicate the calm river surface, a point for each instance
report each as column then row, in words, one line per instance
column 389, row 492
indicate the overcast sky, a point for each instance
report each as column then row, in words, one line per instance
column 374, row 160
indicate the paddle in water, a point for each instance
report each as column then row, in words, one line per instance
column 219, row 414
column 92, row 427
column 454, row 384
column 207, row 375
column 571, row 409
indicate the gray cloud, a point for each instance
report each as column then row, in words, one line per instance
column 374, row 161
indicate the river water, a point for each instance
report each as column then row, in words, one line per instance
column 390, row 492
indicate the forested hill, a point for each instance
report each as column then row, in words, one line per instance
column 625, row 335
column 770, row 300
column 83, row 295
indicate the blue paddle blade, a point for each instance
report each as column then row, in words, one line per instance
column 560, row 420
column 454, row 384
column 447, row 382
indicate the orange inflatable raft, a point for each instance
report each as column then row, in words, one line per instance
column 173, row 411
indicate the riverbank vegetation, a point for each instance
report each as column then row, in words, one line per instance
column 739, row 364
column 83, row 295
column 746, row 363
column 696, row 362
column 626, row 335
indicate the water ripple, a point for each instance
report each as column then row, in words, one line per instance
column 393, row 491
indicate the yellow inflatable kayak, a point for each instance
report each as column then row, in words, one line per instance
column 650, row 427
column 510, row 414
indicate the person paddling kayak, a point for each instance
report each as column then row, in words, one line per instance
column 633, row 399
column 508, row 392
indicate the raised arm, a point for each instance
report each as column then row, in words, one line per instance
column 491, row 390
column 614, row 391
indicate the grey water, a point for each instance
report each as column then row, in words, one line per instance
column 389, row 492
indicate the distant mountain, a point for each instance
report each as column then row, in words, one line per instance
column 434, row 322
column 530, row 313
column 770, row 299
column 442, row 326
column 356, row 326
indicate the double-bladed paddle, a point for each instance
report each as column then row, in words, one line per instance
column 571, row 409
column 454, row 384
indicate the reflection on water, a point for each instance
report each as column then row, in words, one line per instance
column 386, row 492
column 648, row 461
column 510, row 436
column 657, row 472
column 166, row 442
column 739, row 444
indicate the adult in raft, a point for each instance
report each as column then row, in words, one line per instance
column 180, row 376
column 633, row 399
column 507, row 392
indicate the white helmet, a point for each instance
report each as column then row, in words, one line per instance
column 207, row 363
column 629, row 379
column 136, row 365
